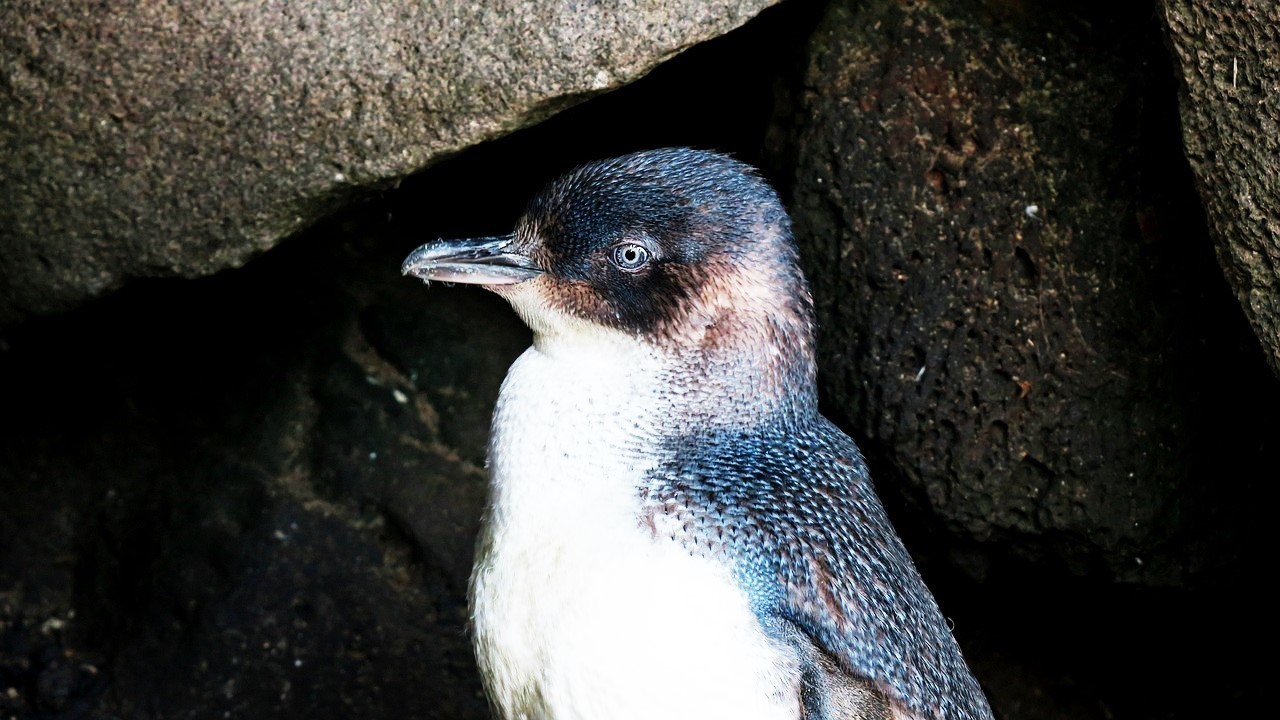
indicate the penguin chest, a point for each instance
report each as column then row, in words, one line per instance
column 602, row 630
column 578, row 610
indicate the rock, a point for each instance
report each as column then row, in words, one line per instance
column 243, row 506
column 1228, row 61
column 145, row 141
column 1011, row 316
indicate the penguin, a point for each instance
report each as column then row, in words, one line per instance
column 673, row 529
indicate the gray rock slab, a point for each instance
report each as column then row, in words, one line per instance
column 151, row 139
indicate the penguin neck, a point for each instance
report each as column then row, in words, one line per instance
column 583, row 417
column 726, row 374
column 742, row 340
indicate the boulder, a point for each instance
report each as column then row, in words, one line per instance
column 145, row 139
column 1015, row 313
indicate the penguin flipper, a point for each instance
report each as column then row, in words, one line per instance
column 827, row 692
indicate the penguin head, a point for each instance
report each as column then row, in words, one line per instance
column 682, row 249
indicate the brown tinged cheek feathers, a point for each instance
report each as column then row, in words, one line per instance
column 578, row 299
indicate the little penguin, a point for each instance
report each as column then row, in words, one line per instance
column 673, row 530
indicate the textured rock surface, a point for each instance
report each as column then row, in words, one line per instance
column 261, row 500
column 1012, row 316
column 149, row 140
column 1228, row 58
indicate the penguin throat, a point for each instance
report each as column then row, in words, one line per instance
column 700, row 381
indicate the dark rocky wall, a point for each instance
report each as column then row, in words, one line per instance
column 1023, row 325
column 225, row 498
column 1012, row 282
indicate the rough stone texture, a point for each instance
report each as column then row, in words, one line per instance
column 148, row 139
column 1011, row 321
column 1228, row 60
column 259, row 499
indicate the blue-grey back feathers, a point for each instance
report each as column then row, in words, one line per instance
column 792, row 510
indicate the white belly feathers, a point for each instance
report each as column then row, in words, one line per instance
column 578, row 611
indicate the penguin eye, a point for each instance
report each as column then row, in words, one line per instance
column 630, row 256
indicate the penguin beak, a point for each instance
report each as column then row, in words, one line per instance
column 479, row 261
